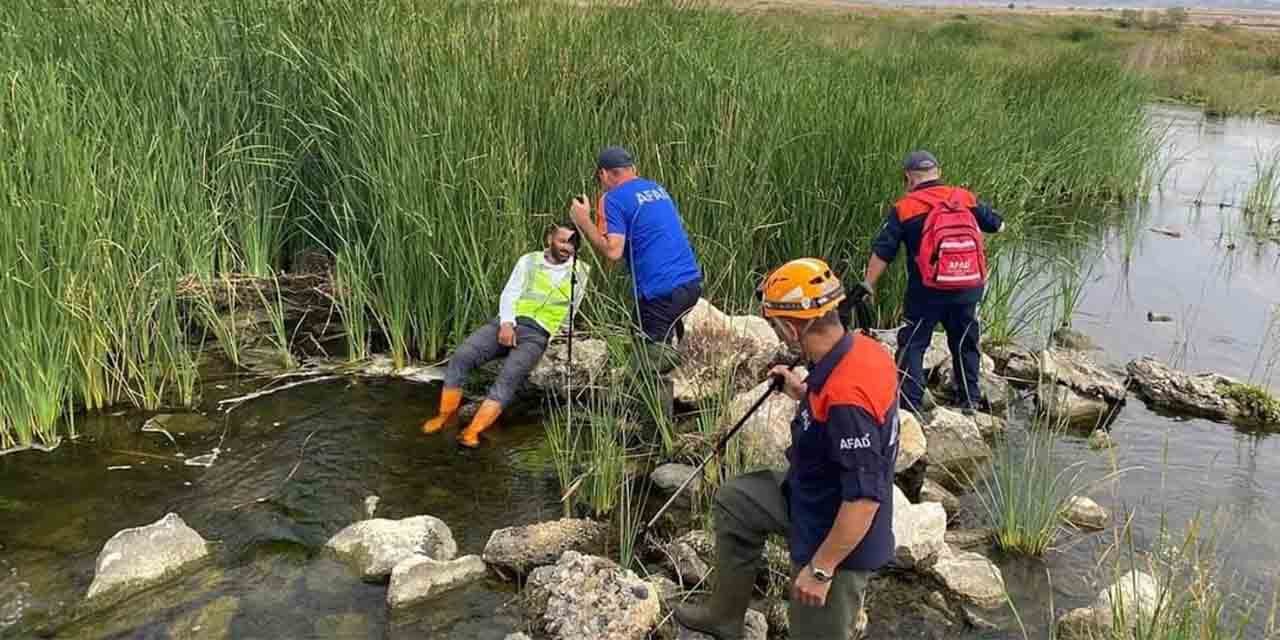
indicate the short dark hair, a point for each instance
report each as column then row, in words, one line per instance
column 559, row 224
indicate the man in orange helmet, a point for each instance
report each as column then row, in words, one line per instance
column 835, row 501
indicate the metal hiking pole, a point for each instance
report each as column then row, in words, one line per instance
column 774, row 385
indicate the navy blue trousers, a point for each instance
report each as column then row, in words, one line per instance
column 961, row 324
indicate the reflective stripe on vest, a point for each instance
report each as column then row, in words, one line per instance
column 542, row 302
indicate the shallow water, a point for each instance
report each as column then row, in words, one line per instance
column 1222, row 301
column 294, row 468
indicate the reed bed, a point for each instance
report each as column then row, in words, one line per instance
column 425, row 145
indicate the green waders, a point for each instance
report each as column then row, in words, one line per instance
column 747, row 509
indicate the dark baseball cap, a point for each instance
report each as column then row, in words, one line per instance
column 920, row 161
column 613, row 158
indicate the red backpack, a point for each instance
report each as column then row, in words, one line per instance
column 952, row 256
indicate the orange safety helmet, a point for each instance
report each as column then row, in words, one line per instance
column 803, row 289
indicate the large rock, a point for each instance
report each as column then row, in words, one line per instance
column 553, row 372
column 755, row 627
column 1135, row 596
column 990, row 384
column 583, row 596
column 931, row 491
column 1077, row 370
column 937, row 353
column 1085, row 514
column 690, row 557
column 720, row 352
column 969, row 539
column 971, row 577
column 1207, row 395
column 1069, row 338
column 956, row 447
column 668, row 477
column 918, row 530
column 767, row 434
column 418, row 578
column 375, row 547
column 521, row 549
column 1018, row 365
column 1062, row 405
column 912, row 444
column 136, row 558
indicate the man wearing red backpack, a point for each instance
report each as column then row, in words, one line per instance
column 941, row 227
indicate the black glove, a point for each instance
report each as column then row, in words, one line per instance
column 861, row 292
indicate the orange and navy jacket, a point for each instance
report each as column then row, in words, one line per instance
column 844, row 442
column 904, row 224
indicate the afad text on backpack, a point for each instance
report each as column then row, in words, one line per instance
column 952, row 256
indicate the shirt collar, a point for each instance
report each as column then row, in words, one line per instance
column 928, row 184
column 823, row 368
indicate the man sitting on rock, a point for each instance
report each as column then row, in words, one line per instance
column 535, row 304
column 835, row 502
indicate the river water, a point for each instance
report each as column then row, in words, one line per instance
column 296, row 467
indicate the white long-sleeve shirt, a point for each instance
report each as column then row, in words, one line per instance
column 516, row 282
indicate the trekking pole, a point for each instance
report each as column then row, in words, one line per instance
column 774, row 385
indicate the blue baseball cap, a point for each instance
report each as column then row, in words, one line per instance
column 613, row 158
column 920, row 161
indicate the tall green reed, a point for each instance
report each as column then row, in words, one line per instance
column 155, row 142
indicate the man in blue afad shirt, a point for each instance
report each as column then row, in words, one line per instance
column 645, row 230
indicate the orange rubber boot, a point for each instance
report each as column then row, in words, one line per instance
column 485, row 417
column 450, row 399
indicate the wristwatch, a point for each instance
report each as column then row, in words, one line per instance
column 821, row 575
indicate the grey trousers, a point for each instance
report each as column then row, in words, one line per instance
column 750, row 507
column 482, row 347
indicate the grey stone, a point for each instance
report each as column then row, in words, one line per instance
column 956, row 447
column 521, row 549
column 1063, row 405
column 765, row 436
column 1074, row 340
column 931, row 491
column 722, row 353
column 419, row 577
column 912, row 444
column 970, row 577
column 937, row 353
column 517, row 636
column 375, row 547
column 989, row 425
column 136, row 558
column 1077, row 370
column 756, row 627
column 554, row 372
column 1018, row 365
column 990, row 384
column 670, row 476
column 690, row 556
column 1136, row 596
column 969, row 539
column 1085, row 514
column 918, row 530
column 584, row 596
column 1199, row 394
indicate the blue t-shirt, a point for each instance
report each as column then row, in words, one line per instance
column 657, row 249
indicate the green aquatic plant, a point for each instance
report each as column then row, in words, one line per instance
column 1258, row 403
